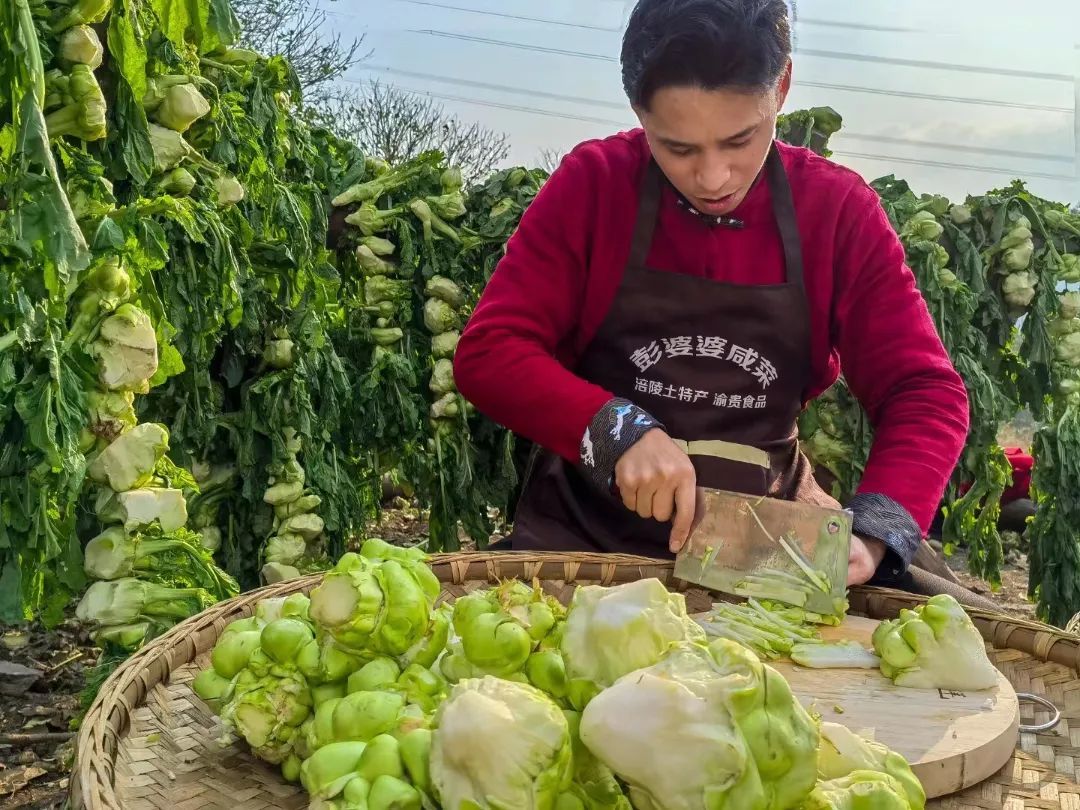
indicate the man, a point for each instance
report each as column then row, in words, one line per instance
column 676, row 294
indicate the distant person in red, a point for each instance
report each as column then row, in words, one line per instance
column 677, row 293
column 1017, row 505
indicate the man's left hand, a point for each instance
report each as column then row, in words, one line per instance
column 863, row 561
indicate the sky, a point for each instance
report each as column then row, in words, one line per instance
column 957, row 97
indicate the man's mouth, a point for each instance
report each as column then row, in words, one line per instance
column 716, row 205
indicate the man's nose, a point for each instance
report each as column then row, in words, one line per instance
column 713, row 176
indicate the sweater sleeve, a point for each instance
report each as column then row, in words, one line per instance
column 506, row 360
column 896, row 366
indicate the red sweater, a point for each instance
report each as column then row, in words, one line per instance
column 553, row 288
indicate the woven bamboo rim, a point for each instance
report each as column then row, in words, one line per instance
column 145, row 741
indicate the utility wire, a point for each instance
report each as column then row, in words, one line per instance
column 887, row 158
column 947, row 165
column 884, row 60
column 526, row 92
column 889, row 29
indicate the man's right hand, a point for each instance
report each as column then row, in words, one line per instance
column 656, row 479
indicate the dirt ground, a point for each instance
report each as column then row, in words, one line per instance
column 35, row 727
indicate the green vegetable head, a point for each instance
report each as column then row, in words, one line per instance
column 227, row 190
column 283, row 639
column 378, row 674
column 349, row 602
column 923, row 226
column 843, row 752
column 492, row 641
column 323, row 661
column 1069, row 269
column 83, row 117
column 126, row 350
column 1067, row 349
column 960, row 214
column 181, row 106
column 212, row 688
column 126, row 600
column 268, row 709
column 611, row 631
column 366, row 715
column 169, row 147
column 272, row 573
column 326, row 772
column 415, row 747
column 934, row 646
column 499, row 744
column 546, row 671
column 440, row 317
column 442, row 378
column 80, row 45
column 129, row 461
column 285, row 549
column 391, row 793
column 444, row 345
column 1018, row 289
column 860, row 790
column 382, row 757
column 1069, row 305
column 704, row 728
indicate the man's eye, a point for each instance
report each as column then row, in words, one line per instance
column 680, row 152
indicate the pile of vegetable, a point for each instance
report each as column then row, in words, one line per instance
column 371, row 693
column 994, row 271
column 182, row 254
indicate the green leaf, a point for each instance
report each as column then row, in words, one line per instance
column 132, row 132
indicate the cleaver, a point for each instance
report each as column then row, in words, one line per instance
column 767, row 548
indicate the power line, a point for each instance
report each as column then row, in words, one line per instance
column 507, row 16
column 887, row 29
column 524, row 46
column 499, row 88
column 522, row 91
column 513, row 107
column 1019, row 105
column 921, row 63
column 885, row 60
column 984, row 150
column 592, row 120
column 947, row 165
column 606, row 29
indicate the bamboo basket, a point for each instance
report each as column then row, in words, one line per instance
column 149, row 743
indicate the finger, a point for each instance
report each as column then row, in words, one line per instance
column 645, row 497
column 685, row 508
column 663, row 503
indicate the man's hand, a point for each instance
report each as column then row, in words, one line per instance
column 864, row 559
column 657, row 480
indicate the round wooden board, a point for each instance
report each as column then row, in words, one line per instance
column 953, row 740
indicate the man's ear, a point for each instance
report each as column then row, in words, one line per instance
column 784, row 86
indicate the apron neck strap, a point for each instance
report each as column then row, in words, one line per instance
column 652, row 187
column 783, row 206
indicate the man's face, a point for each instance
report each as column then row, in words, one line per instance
column 711, row 144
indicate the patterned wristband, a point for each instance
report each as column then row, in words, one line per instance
column 614, row 429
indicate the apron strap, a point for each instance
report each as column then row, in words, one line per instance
column 648, row 209
column 728, row 451
column 783, row 205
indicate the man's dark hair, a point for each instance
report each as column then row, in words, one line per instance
column 740, row 45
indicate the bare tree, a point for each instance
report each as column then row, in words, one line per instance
column 550, row 159
column 294, row 29
column 396, row 124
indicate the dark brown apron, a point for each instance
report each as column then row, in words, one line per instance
column 723, row 366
